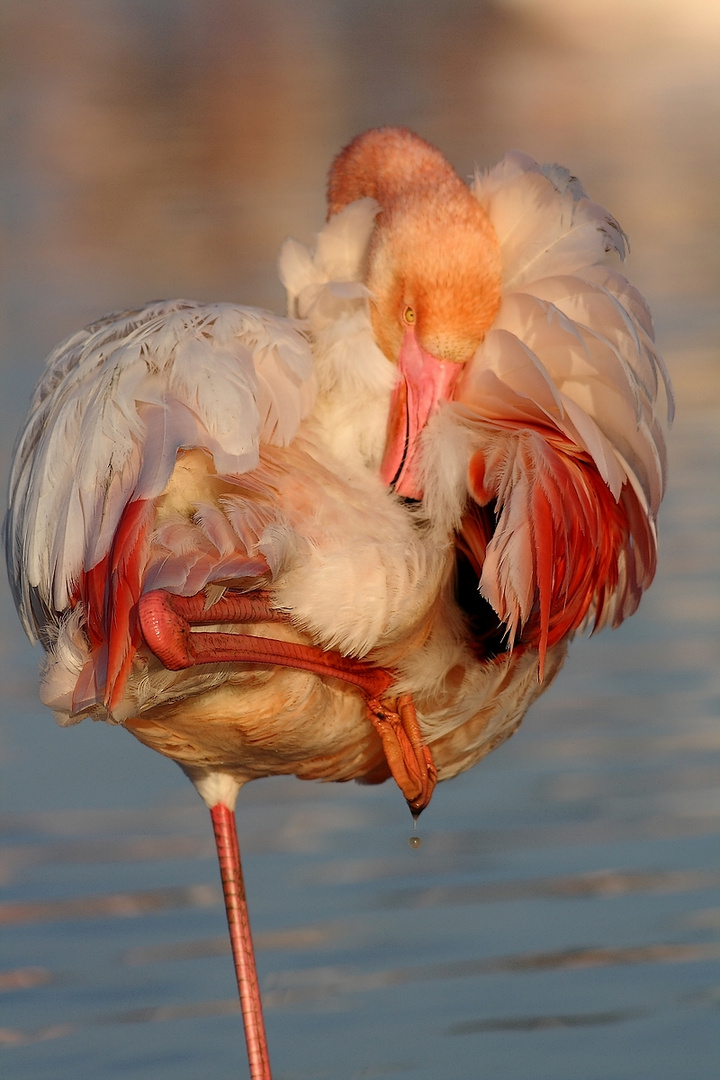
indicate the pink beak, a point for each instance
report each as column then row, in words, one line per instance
column 424, row 382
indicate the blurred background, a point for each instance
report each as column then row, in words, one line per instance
column 560, row 920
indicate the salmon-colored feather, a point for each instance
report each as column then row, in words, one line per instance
column 127, row 566
column 92, row 592
column 109, row 592
column 559, row 540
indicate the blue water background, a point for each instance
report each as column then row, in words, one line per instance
column 560, row 921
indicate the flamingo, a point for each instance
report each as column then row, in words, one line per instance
column 352, row 543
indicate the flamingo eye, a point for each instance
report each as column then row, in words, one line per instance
column 409, row 315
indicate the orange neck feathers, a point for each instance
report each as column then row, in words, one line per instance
column 384, row 164
column 434, row 252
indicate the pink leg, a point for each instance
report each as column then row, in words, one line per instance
column 228, row 851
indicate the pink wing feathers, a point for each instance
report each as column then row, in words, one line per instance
column 109, row 592
column 555, row 549
column 561, row 400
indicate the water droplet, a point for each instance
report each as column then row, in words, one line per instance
column 415, row 841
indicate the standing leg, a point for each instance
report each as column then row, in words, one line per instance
column 228, row 851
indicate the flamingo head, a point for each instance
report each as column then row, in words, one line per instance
column 434, row 274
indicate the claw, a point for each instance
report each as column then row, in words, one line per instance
column 410, row 760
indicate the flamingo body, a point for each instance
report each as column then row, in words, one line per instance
column 443, row 464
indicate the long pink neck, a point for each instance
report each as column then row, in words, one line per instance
column 383, row 164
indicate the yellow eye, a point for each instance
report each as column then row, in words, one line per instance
column 408, row 316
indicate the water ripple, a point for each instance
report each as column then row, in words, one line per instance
column 114, row 905
column 316, row 984
column 540, row 1023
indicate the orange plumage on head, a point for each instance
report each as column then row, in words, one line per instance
column 434, row 249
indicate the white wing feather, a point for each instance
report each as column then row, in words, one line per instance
column 544, row 221
column 117, row 402
column 588, row 329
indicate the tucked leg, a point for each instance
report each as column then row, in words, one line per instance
column 407, row 755
column 167, row 623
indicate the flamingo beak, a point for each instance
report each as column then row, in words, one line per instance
column 424, row 382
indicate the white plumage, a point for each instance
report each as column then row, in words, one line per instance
column 117, row 402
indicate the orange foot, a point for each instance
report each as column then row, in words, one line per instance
column 407, row 755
